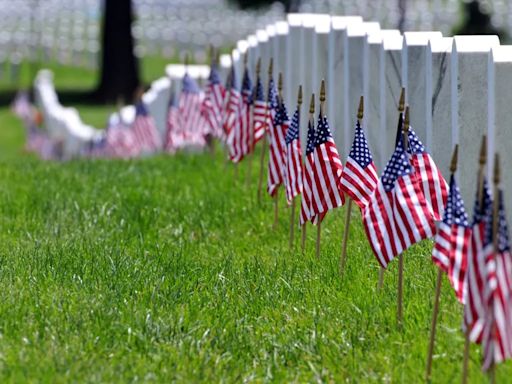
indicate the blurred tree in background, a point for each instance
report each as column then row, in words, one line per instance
column 289, row 5
column 119, row 69
column 475, row 21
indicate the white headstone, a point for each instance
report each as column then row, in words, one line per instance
column 438, row 102
column 294, row 53
column 413, row 73
column 470, row 103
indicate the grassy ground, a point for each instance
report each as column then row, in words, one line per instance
column 166, row 269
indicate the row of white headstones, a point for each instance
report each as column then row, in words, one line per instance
column 458, row 88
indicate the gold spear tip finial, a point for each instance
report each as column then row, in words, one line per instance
column 322, row 91
column 497, row 170
column 401, row 102
column 406, row 119
column 258, row 66
column 299, row 96
column 360, row 110
column 312, row 104
column 455, row 155
column 271, row 67
column 483, row 150
column 280, row 82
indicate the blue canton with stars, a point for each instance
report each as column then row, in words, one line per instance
column 323, row 132
column 259, row 90
column 247, row 88
column 398, row 166
column 310, row 145
column 480, row 214
column 140, row 109
column 214, row 77
column 455, row 213
column 293, row 130
column 272, row 95
column 189, row 85
column 360, row 151
column 503, row 243
column 415, row 146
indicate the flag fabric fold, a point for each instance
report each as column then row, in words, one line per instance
column 307, row 176
column 277, row 122
column 359, row 177
column 293, row 159
column 327, row 192
column 397, row 215
column 146, row 134
column 213, row 103
column 452, row 241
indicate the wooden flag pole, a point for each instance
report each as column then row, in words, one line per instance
column 251, row 135
column 435, row 311
column 399, row 314
column 311, row 122
column 401, row 108
column 481, row 172
column 495, row 221
column 264, row 141
column 292, row 212
column 322, row 114
column 343, row 256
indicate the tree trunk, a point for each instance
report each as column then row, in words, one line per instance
column 119, row 66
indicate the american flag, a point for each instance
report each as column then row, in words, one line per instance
column 433, row 184
column 232, row 114
column 307, row 180
column 121, row 140
column 474, row 309
column 192, row 119
column 327, row 169
column 147, row 137
column 293, row 159
column 497, row 331
column 359, row 177
column 174, row 134
column 240, row 135
column 277, row 122
column 213, row 103
column 452, row 241
column 397, row 215
column 22, row 107
column 260, row 112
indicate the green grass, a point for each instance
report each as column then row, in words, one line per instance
column 166, row 269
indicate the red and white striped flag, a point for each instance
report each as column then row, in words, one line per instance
column 232, row 114
column 306, row 213
column 397, row 215
column 474, row 308
column 452, row 241
column 326, row 188
column 293, row 159
column 174, row 139
column 192, row 119
column 359, row 177
column 240, row 135
column 146, row 134
column 433, row 184
column 277, row 122
column 260, row 112
column 497, row 331
column 213, row 103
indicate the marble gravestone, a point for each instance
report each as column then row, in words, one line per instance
column 438, row 102
column 253, row 53
column 337, row 61
column 500, row 116
column 414, row 51
column 356, row 71
column 309, row 63
column 372, row 105
column 282, row 60
column 224, row 67
column 294, row 52
column 264, row 51
column 321, row 56
column 237, row 63
column 273, row 50
column 469, row 91
column 391, row 87
column 242, row 47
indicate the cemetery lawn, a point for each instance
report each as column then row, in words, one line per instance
column 166, row 269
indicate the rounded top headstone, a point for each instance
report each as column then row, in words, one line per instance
column 261, row 35
column 294, row 19
column 282, row 28
column 502, row 54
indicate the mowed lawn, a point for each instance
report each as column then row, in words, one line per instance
column 166, row 269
